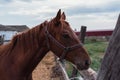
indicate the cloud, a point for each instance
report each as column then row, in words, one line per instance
column 5, row 1
column 8, row 1
column 94, row 21
column 28, row 12
column 35, row 7
column 79, row 12
column 103, row 8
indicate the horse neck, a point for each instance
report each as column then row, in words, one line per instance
column 32, row 40
column 31, row 47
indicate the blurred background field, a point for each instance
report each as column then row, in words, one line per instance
column 96, row 50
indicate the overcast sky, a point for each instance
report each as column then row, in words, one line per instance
column 95, row 14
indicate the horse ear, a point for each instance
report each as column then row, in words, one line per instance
column 58, row 16
column 63, row 16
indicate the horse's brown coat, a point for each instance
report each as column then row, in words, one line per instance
column 21, row 55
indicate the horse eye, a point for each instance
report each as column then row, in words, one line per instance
column 66, row 36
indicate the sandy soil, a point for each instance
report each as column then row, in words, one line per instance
column 44, row 69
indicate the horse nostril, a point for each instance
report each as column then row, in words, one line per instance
column 87, row 62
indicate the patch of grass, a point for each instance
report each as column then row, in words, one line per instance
column 96, row 51
column 69, row 68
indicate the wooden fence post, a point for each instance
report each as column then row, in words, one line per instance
column 1, row 39
column 110, row 68
column 82, row 34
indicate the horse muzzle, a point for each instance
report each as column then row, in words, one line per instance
column 84, row 65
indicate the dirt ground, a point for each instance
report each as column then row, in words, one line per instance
column 44, row 69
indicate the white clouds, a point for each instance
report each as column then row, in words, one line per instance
column 94, row 21
column 31, row 8
column 23, row 11
column 79, row 12
column 34, row 7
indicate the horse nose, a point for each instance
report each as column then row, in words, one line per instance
column 87, row 62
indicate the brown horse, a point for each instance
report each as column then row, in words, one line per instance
column 21, row 55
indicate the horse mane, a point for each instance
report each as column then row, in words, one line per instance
column 31, row 36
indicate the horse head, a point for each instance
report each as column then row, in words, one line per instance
column 63, row 41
